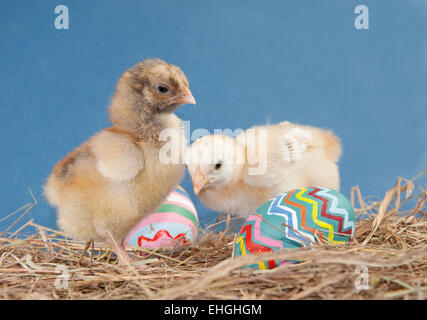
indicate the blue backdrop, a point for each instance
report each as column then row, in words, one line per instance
column 247, row 61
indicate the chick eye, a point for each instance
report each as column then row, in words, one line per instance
column 218, row 166
column 163, row 89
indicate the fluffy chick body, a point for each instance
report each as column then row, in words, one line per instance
column 105, row 186
column 295, row 156
column 90, row 203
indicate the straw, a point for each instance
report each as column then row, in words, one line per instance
column 386, row 260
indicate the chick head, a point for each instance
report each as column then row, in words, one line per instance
column 154, row 86
column 214, row 161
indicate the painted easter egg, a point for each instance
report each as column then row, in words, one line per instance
column 174, row 224
column 294, row 219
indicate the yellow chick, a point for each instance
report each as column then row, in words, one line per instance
column 106, row 185
column 238, row 175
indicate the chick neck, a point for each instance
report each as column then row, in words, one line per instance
column 129, row 112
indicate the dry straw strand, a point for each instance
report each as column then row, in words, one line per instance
column 390, row 242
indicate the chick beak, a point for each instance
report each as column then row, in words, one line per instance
column 185, row 98
column 199, row 181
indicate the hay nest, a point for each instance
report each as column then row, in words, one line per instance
column 386, row 260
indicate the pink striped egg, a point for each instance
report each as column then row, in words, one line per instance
column 174, row 224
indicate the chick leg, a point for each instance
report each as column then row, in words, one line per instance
column 122, row 254
column 84, row 252
column 120, row 250
column 91, row 253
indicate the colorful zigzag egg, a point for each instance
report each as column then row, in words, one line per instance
column 295, row 219
column 174, row 224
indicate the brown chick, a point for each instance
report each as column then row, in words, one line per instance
column 238, row 175
column 106, row 185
